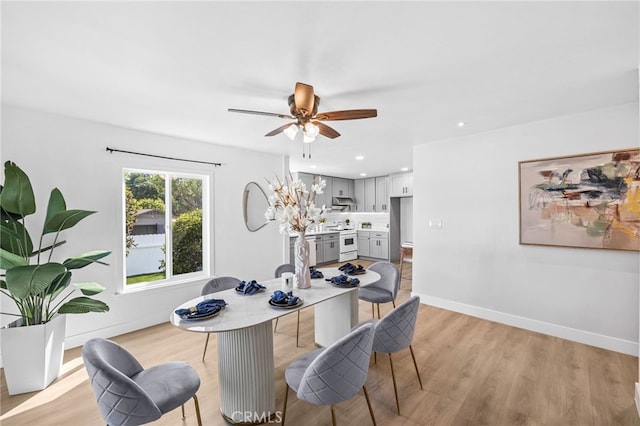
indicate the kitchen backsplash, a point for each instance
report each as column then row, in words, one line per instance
column 377, row 220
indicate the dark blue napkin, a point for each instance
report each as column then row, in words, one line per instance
column 279, row 297
column 351, row 269
column 208, row 306
column 344, row 280
column 315, row 273
column 249, row 287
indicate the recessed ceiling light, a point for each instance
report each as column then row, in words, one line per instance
column 404, row 169
column 313, row 166
column 363, row 174
column 461, row 123
column 359, row 157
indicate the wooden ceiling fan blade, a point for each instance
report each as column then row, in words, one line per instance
column 350, row 114
column 271, row 114
column 278, row 130
column 304, row 99
column 326, row 130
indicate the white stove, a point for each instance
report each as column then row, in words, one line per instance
column 348, row 245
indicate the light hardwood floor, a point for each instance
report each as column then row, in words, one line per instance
column 475, row 372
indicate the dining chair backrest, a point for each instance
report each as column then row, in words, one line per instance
column 218, row 284
column 389, row 277
column 340, row 371
column 285, row 267
column 394, row 332
column 120, row 399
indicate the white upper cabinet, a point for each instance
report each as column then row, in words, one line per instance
column 401, row 185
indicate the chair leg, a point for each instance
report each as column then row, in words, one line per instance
column 366, row 395
column 275, row 328
column 373, row 312
column 298, row 330
column 415, row 364
column 378, row 310
column 395, row 387
column 183, row 415
column 284, row 407
column 333, row 416
column 393, row 302
column 205, row 346
column 195, row 402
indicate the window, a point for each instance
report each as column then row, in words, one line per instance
column 166, row 216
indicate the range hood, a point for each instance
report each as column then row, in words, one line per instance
column 341, row 203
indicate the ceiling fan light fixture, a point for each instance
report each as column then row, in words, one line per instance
column 291, row 131
column 308, row 139
column 311, row 130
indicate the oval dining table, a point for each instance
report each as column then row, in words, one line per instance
column 245, row 338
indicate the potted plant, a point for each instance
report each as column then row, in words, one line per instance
column 40, row 287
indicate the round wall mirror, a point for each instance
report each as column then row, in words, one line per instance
column 254, row 204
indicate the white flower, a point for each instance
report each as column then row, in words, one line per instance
column 292, row 205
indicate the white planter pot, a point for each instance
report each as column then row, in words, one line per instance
column 32, row 356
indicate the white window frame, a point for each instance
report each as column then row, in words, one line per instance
column 207, row 226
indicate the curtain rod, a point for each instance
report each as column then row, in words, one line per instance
column 112, row 150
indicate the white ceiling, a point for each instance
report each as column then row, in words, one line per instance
column 175, row 67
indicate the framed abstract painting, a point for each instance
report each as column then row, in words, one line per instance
column 588, row 200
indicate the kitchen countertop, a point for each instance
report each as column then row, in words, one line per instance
column 375, row 229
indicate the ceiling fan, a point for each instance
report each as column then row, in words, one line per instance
column 303, row 104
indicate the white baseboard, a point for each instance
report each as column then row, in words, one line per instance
column 115, row 330
column 581, row 336
column 637, row 398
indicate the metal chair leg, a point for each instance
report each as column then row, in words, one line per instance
column 415, row 364
column 298, row 330
column 205, row 346
column 195, row 402
column 333, row 416
column 373, row 312
column 378, row 310
column 183, row 415
column 366, row 395
column 395, row 387
column 284, row 408
column 275, row 328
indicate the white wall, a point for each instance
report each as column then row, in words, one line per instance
column 474, row 263
column 70, row 154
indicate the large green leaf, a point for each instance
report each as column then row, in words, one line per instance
column 89, row 288
column 59, row 284
column 17, row 193
column 64, row 220
column 82, row 305
column 84, row 259
column 15, row 239
column 25, row 281
column 56, row 205
column 9, row 260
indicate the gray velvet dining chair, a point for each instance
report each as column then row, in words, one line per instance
column 394, row 333
column 281, row 269
column 129, row 394
column 213, row 286
column 334, row 374
column 385, row 289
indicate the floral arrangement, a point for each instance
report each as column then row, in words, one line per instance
column 292, row 205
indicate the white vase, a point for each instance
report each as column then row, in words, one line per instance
column 301, row 262
column 32, row 355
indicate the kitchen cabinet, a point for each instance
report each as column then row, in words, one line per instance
column 370, row 195
column 330, row 248
column 342, row 187
column 363, row 244
column 401, row 185
column 379, row 245
column 373, row 244
column 358, row 193
column 382, row 194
